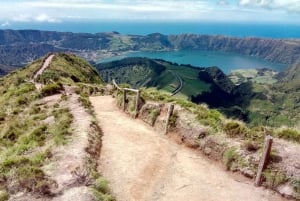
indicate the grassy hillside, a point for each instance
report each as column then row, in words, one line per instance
column 31, row 128
column 170, row 77
column 68, row 69
column 259, row 97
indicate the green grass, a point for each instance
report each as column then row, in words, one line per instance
column 3, row 195
column 23, row 135
column 235, row 129
column 60, row 130
column 70, row 69
column 52, row 88
column 288, row 134
column 229, row 157
column 102, row 191
column 274, row 178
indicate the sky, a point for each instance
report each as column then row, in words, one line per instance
column 58, row 11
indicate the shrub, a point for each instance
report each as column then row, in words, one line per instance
column 235, row 129
column 35, row 110
column 3, row 195
column 251, row 146
column 173, row 119
column 101, row 185
column 289, row 134
column 85, row 101
column 102, row 191
column 22, row 100
column 51, row 89
column 153, row 115
column 230, row 156
column 274, row 178
column 64, row 97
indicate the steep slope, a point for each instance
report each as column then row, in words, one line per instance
column 134, row 71
column 282, row 51
column 184, row 80
column 258, row 104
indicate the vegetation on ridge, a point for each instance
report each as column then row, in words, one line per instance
column 30, row 128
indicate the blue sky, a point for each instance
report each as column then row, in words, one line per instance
column 57, row 11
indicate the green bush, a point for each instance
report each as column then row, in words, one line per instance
column 24, row 89
column 51, row 89
column 85, row 101
column 173, row 119
column 3, row 195
column 153, row 115
column 102, row 191
column 235, row 129
column 229, row 157
column 289, row 134
column 274, row 178
column 22, row 100
column 101, row 185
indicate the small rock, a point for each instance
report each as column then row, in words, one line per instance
column 49, row 120
column 202, row 134
column 297, row 165
column 286, row 191
column 247, row 172
column 207, row 151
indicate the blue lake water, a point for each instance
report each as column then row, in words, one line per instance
column 225, row 61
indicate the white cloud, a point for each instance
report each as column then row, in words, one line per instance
column 21, row 18
column 157, row 10
column 287, row 5
column 5, row 24
column 45, row 18
column 36, row 18
column 223, row 2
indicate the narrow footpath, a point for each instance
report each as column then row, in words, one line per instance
column 143, row 165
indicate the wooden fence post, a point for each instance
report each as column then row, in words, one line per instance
column 264, row 159
column 137, row 101
column 170, row 112
column 124, row 99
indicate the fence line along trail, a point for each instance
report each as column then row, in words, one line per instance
column 143, row 165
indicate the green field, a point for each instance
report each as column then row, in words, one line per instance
column 169, row 80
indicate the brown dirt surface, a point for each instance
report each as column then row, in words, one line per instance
column 142, row 165
column 72, row 156
column 41, row 70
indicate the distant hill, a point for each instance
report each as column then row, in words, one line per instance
column 29, row 45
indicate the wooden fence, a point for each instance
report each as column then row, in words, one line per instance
column 125, row 90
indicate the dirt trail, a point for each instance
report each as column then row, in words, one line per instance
column 142, row 165
column 41, row 70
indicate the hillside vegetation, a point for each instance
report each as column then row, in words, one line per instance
column 186, row 80
column 229, row 141
column 253, row 100
column 37, row 124
column 33, row 123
